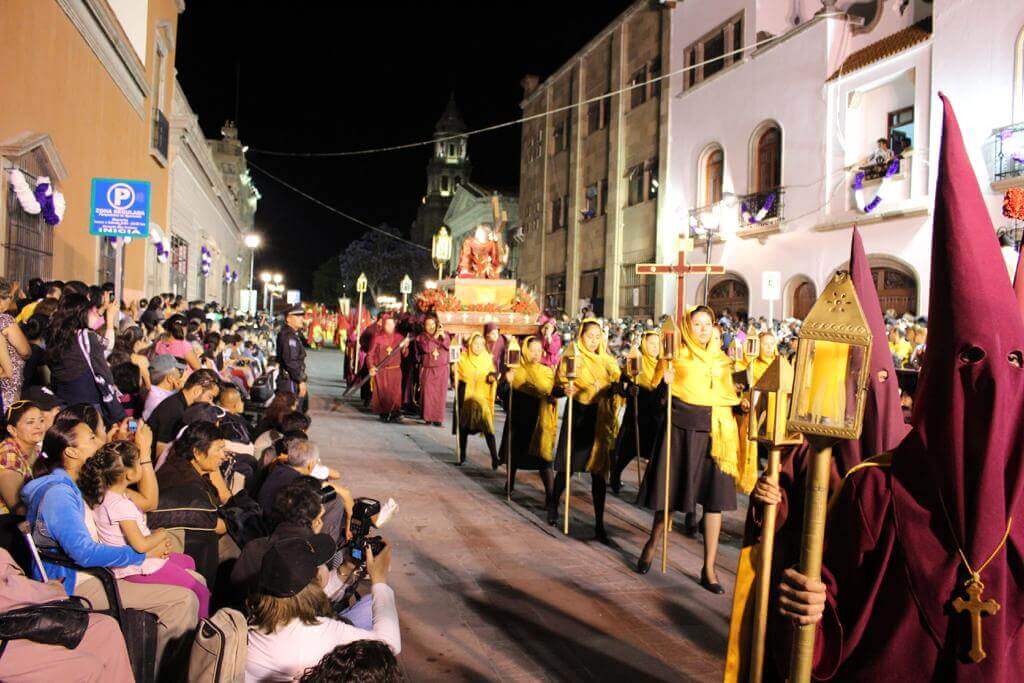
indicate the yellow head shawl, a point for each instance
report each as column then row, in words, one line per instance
column 533, row 378
column 595, row 370
column 475, row 364
column 648, row 363
column 478, row 399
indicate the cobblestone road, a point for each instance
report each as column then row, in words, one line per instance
column 488, row 591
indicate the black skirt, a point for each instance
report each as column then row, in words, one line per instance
column 519, row 427
column 649, row 409
column 694, row 477
column 584, row 427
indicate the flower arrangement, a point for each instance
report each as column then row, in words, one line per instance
column 439, row 301
column 43, row 199
column 1013, row 203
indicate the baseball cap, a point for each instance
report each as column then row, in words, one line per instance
column 295, row 310
column 290, row 564
column 163, row 363
column 42, row 397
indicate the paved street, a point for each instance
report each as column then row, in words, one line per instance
column 488, row 591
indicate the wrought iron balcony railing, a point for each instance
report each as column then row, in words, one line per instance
column 1008, row 152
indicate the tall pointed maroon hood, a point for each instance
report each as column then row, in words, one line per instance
column 884, row 427
column 966, row 450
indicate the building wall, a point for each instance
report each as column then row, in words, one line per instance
column 591, row 251
column 52, row 82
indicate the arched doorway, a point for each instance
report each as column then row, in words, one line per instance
column 804, row 296
column 729, row 293
column 897, row 290
column 768, row 169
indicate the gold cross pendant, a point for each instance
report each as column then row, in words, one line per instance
column 434, row 353
column 388, row 349
column 976, row 607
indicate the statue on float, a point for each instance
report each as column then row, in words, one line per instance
column 484, row 254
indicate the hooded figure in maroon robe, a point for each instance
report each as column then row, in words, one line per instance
column 896, row 582
column 432, row 349
column 883, row 430
column 386, row 369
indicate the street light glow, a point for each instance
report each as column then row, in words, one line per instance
column 265, row 277
column 253, row 241
column 278, row 278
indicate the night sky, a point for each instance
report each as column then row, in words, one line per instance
column 331, row 76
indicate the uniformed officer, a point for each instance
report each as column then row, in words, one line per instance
column 291, row 355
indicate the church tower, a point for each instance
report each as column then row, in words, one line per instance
column 448, row 168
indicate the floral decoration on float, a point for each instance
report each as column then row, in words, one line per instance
column 43, row 199
column 858, row 188
column 436, row 300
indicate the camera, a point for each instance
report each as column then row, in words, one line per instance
column 363, row 511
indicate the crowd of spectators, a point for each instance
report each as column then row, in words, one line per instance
column 147, row 454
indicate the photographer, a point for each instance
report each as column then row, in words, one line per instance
column 291, row 619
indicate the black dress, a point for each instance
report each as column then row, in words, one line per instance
column 695, row 477
column 584, row 431
column 649, row 422
column 520, row 428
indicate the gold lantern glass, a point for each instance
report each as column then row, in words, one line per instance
column 513, row 354
column 569, row 358
column 633, row 362
column 361, row 283
column 669, row 334
column 769, row 406
column 832, row 365
column 752, row 347
column 455, row 350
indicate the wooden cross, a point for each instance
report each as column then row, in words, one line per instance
column 680, row 269
column 976, row 607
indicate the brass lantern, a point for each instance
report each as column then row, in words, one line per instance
column 633, row 362
column 769, row 406
column 569, row 359
column 832, row 364
column 361, row 283
column 455, row 350
column 752, row 347
column 441, row 250
column 513, row 354
column 669, row 333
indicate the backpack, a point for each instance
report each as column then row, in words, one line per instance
column 220, row 648
column 262, row 391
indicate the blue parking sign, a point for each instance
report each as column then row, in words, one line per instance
column 119, row 208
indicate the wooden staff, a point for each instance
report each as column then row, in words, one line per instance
column 570, row 374
column 636, row 437
column 455, row 404
column 512, row 361
column 668, row 349
column 811, row 547
column 764, row 571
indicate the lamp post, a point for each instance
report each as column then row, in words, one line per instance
column 829, row 391
column 441, row 250
column 361, row 289
column 265, row 278
column 709, row 226
column 252, row 242
column 405, row 287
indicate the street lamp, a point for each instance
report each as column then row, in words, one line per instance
column 252, row 242
column 278, row 278
column 265, row 278
column 708, row 225
column 441, row 250
column 405, row 287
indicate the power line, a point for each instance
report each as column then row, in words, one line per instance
column 524, row 119
column 334, row 210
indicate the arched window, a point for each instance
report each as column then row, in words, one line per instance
column 768, row 168
column 730, row 293
column 712, row 175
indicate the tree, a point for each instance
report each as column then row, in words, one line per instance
column 385, row 261
column 327, row 283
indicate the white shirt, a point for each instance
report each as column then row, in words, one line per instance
column 293, row 648
column 154, row 398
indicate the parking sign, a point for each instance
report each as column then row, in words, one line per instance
column 119, row 208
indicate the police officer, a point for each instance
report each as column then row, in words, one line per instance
column 291, row 355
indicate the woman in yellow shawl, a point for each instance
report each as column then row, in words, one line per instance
column 645, row 409
column 477, row 389
column 705, row 443
column 533, row 422
column 596, row 402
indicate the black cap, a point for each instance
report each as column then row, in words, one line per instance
column 42, row 397
column 202, row 412
column 290, row 564
column 295, row 310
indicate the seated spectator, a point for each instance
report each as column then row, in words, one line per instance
column 175, row 344
column 128, row 380
column 362, row 660
column 45, row 401
column 105, row 480
column 153, row 315
column 133, row 342
column 192, row 489
column 288, row 424
column 18, row 453
column 230, row 399
column 166, row 376
column 60, row 519
column 299, row 458
column 291, row 618
column 202, row 386
column 284, row 402
column 100, row 657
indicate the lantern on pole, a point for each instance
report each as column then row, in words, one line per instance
column 361, row 289
column 405, row 287
column 669, row 336
column 441, row 250
column 829, row 392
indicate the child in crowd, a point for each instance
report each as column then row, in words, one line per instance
column 104, row 482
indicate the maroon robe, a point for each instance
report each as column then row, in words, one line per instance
column 892, row 565
column 387, row 384
column 434, row 370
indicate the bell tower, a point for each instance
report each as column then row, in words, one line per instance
column 448, row 168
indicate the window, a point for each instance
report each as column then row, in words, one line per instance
column 901, row 130
column 554, row 293
column 652, row 178
column 636, row 185
column 558, row 135
column 592, row 290
column 713, row 52
column 712, row 176
column 556, row 214
column 636, row 293
column 565, row 211
column 444, row 183
column 179, row 266
column 769, row 160
column 29, row 238
column 451, row 150
column 201, row 282
column 160, row 134
column 603, row 197
column 638, row 95
column 592, row 201
column 593, row 117
column 655, row 73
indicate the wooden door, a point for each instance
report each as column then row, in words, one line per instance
column 803, row 298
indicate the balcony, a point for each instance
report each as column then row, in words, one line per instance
column 161, row 136
column 757, row 214
column 1008, row 157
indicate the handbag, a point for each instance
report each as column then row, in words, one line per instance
column 243, row 517
column 110, row 397
column 58, row 622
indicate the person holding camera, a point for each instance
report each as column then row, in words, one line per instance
column 291, row 618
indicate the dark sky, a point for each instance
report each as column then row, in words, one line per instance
column 328, row 76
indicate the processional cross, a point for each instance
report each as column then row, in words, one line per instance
column 680, row 269
column 976, row 607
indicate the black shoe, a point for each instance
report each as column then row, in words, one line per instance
column 495, row 462
column 396, row 418
column 436, row 424
column 553, row 513
column 643, row 566
column 715, row 588
column 616, row 483
column 601, row 536
column 690, row 530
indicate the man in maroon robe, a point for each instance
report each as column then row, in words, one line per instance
column 366, row 337
column 385, row 367
column 883, row 430
column 432, row 349
column 898, row 600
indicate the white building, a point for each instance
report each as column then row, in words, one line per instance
column 788, row 124
column 205, row 213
